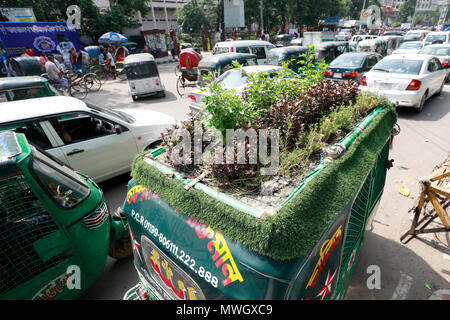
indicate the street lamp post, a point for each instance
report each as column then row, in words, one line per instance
column 261, row 16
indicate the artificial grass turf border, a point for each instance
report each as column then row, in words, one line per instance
column 298, row 225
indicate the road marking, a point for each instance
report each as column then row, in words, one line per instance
column 402, row 289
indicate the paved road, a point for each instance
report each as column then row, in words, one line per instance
column 412, row 271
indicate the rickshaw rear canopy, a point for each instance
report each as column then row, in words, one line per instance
column 189, row 58
column 138, row 58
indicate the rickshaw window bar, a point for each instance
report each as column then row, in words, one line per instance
column 24, row 221
column 141, row 71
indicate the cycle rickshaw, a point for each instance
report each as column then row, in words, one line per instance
column 188, row 65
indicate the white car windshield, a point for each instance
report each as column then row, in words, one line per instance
column 437, row 51
column 232, row 79
column 436, row 37
column 113, row 113
column 348, row 61
column 409, row 45
column 406, row 66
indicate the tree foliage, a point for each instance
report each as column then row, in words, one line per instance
column 93, row 23
column 192, row 17
column 407, row 10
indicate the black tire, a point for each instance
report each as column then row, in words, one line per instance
column 180, row 86
column 177, row 71
column 78, row 91
column 92, row 82
column 121, row 248
column 441, row 88
column 422, row 103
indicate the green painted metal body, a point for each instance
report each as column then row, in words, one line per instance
column 40, row 269
column 179, row 257
column 26, row 87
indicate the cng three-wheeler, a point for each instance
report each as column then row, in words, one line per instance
column 56, row 230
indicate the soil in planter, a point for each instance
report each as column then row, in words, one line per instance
column 266, row 193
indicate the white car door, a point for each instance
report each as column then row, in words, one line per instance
column 94, row 146
column 260, row 52
column 439, row 74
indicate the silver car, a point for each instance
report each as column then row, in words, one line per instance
column 442, row 52
column 406, row 80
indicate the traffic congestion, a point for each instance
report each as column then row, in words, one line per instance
column 250, row 166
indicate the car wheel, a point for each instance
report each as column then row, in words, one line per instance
column 422, row 103
column 134, row 98
column 441, row 88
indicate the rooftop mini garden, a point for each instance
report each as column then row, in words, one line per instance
column 278, row 200
column 309, row 114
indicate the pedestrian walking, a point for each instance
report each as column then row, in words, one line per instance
column 172, row 48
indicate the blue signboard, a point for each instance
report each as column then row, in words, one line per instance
column 38, row 36
column 332, row 20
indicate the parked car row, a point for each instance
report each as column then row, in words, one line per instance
column 425, row 68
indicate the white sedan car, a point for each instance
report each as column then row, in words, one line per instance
column 233, row 79
column 406, row 80
column 409, row 47
column 98, row 142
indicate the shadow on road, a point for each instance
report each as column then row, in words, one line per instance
column 397, row 263
column 433, row 110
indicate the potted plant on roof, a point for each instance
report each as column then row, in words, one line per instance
column 267, row 197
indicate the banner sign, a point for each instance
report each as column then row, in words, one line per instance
column 18, row 14
column 38, row 36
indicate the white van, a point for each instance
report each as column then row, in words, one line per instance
column 437, row 37
column 143, row 76
column 258, row 47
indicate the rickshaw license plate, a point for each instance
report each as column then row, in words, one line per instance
column 174, row 281
column 338, row 75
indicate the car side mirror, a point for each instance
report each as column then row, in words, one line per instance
column 118, row 129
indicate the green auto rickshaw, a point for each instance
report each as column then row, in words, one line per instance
column 217, row 64
column 292, row 55
column 378, row 45
column 56, row 230
column 25, row 87
column 26, row 66
column 330, row 50
column 192, row 241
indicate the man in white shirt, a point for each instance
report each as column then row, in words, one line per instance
column 55, row 74
column 111, row 63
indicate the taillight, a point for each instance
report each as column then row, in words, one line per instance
column 133, row 86
column 96, row 219
column 363, row 81
column 157, row 82
column 414, row 85
column 445, row 63
column 192, row 98
column 328, row 73
column 231, row 49
column 353, row 74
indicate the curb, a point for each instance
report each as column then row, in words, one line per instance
column 440, row 295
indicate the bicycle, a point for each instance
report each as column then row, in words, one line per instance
column 77, row 88
column 103, row 72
